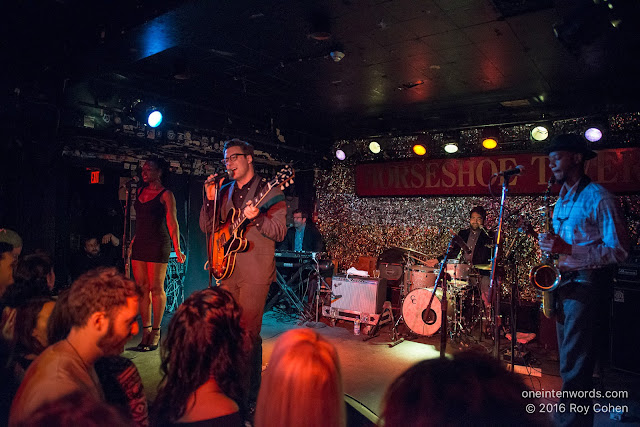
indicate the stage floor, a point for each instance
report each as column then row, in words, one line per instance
column 369, row 367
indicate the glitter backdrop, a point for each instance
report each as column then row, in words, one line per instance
column 353, row 226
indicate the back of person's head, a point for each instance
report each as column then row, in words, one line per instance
column 302, row 384
column 246, row 148
column 60, row 322
column 204, row 340
column 471, row 388
column 76, row 409
column 31, row 326
column 10, row 237
column 33, row 279
column 102, row 289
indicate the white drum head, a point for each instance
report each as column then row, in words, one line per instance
column 414, row 312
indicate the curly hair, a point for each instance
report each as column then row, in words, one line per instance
column 204, row 340
column 161, row 164
column 102, row 289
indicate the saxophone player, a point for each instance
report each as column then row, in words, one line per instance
column 590, row 237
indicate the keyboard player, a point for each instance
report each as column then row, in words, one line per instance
column 303, row 236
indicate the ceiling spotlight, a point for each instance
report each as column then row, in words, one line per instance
column 345, row 151
column 154, row 119
column 419, row 149
column 489, row 143
column 374, row 147
column 539, row 133
column 490, row 137
column 593, row 134
column 451, row 147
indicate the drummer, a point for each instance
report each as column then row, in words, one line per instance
column 479, row 241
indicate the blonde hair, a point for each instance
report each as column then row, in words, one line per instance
column 302, row 385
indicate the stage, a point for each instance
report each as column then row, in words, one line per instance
column 369, row 367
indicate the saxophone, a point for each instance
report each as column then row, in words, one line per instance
column 546, row 277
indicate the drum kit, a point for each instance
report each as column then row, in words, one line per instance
column 465, row 306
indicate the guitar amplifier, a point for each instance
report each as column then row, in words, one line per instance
column 360, row 294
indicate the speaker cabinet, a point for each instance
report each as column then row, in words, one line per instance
column 363, row 295
column 625, row 328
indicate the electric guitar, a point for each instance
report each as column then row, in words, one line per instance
column 227, row 239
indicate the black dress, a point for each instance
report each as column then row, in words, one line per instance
column 152, row 242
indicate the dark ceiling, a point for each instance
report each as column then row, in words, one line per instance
column 256, row 66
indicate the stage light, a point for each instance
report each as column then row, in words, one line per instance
column 419, row 149
column 154, row 118
column 593, row 134
column 489, row 143
column 374, row 147
column 345, row 151
column 451, row 147
column 539, row 133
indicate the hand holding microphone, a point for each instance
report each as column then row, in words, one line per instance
column 211, row 185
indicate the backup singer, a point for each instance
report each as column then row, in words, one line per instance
column 156, row 227
column 255, row 269
column 590, row 236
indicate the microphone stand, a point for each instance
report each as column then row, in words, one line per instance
column 494, row 291
column 442, row 279
column 214, row 222
column 126, row 237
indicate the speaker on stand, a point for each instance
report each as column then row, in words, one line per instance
column 625, row 322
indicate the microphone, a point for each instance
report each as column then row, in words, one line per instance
column 132, row 181
column 510, row 172
column 218, row 177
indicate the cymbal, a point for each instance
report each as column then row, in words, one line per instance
column 483, row 266
column 413, row 250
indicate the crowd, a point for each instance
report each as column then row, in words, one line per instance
column 61, row 359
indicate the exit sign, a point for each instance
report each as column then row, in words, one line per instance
column 95, row 177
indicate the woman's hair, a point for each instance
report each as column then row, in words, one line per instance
column 470, row 388
column 30, row 279
column 26, row 321
column 205, row 340
column 303, row 384
column 161, row 164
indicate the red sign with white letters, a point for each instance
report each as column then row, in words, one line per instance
column 616, row 169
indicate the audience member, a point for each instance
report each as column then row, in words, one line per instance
column 202, row 359
column 118, row 375
column 95, row 253
column 103, row 306
column 7, row 266
column 12, row 238
column 76, row 409
column 471, row 389
column 302, row 385
column 34, row 278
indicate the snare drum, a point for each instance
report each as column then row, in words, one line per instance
column 458, row 270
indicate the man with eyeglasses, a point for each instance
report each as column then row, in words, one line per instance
column 255, row 269
column 303, row 236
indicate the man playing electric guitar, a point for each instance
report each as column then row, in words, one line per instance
column 255, row 268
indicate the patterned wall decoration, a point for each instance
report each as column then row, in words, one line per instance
column 355, row 226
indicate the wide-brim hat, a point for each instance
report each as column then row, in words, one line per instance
column 571, row 142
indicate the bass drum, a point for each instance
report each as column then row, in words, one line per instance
column 417, row 317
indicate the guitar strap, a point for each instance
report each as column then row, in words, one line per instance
column 228, row 204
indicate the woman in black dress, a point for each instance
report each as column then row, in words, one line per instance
column 156, row 228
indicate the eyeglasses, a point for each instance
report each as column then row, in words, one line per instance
column 231, row 158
